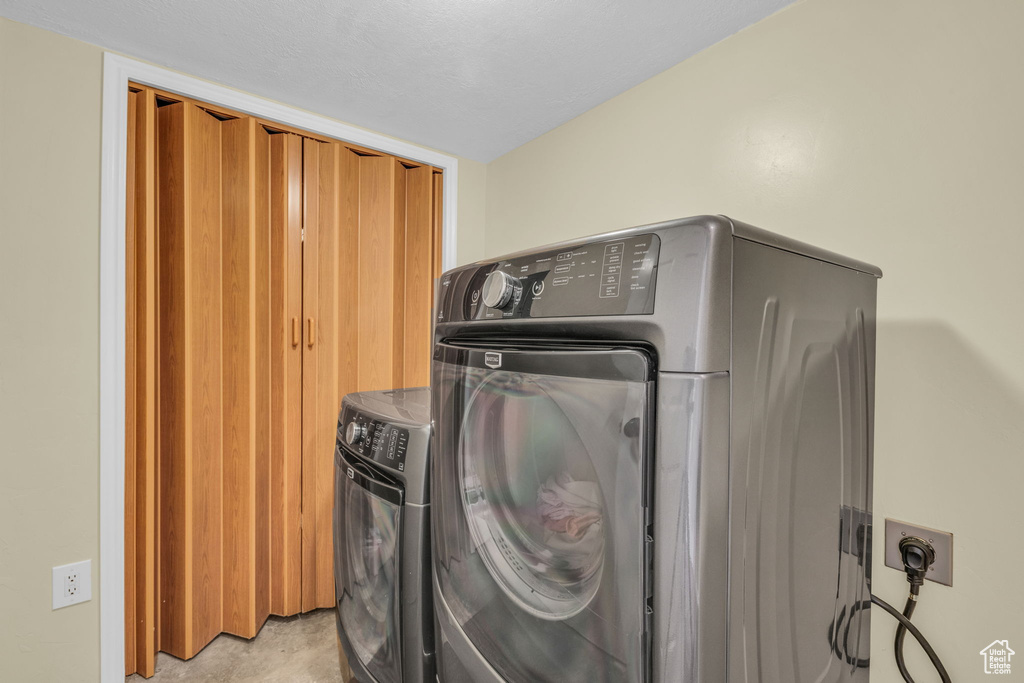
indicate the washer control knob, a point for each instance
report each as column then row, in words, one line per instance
column 500, row 289
column 354, row 433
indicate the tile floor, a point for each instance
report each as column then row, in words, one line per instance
column 299, row 649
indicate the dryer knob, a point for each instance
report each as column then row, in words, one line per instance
column 355, row 432
column 500, row 288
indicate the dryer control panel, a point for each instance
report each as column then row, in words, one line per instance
column 384, row 443
column 610, row 277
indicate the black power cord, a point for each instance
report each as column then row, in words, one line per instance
column 905, row 624
column 918, row 555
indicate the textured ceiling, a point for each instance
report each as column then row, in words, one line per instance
column 475, row 78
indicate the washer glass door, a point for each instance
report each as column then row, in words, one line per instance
column 368, row 534
column 540, row 551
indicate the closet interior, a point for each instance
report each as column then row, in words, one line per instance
column 270, row 271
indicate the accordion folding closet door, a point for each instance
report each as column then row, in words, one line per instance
column 270, row 271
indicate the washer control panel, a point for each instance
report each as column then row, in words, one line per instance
column 384, row 443
column 611, row 277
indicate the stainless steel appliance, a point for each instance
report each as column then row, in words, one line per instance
column 652, row 460
column 381, row 535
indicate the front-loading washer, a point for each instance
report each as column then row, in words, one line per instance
column 381, row 536
column 652, row 458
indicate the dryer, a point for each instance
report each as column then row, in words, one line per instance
column 652, row 460
column 382, row 536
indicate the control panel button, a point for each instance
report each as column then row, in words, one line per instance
column 389, row 446
column 354, row 433
column 538, row 288
column 499, row 289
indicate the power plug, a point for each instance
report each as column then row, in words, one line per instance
column 939, row 563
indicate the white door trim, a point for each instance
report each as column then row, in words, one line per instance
column 117, row 72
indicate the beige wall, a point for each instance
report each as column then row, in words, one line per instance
column 890, row 131
column 49, row 336
column 49, row 343
column 472, row 207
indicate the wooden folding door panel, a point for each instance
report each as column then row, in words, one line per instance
column 263, row 376
column 381, row 268
column 286, row 323
column 140, row 388
column 245, row 244
column 347, row 310
column 398, row 273
column 320, row 284
column 438, row 226
column 190, row 400
column 313, row 354
column 419, row 274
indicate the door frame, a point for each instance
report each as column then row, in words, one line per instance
column 117, row 72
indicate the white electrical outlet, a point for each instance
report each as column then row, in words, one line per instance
column 72, row 583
